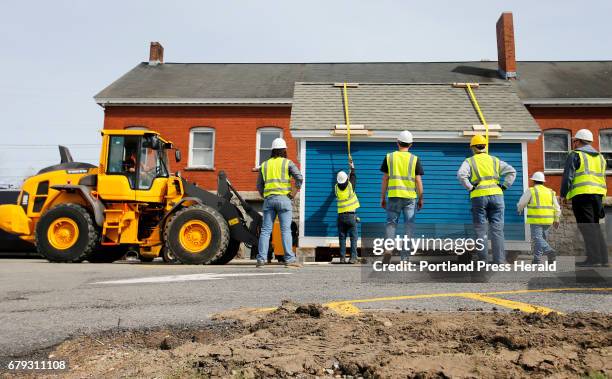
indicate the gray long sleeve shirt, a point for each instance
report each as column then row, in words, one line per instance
column 294, row 172
column 571, row 165
column 465, row 173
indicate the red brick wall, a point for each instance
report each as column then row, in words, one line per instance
column 571, row 119
column 235, row 136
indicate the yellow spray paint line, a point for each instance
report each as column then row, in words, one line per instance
column 348, row 308
column 523, row 307
column 342, row 306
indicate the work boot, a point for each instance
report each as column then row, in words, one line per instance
column 293, row 265
column 260, row 265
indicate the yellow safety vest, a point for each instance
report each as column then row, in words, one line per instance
column 402, row 168
column 540, row 209
column 275, row 172
column 347, row 199
column 485, row 175
column 590, row 177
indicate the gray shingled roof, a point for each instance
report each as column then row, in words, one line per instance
column 235, row 81
column 417, row 107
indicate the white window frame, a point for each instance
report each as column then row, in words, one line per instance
column 601, row 150
column 201, row 129
column 258, row 140
column 569, row 147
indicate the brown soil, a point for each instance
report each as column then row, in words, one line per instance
column 310, row 340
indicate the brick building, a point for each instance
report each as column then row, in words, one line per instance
column 224, row 116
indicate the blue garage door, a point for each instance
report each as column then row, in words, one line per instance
column 446, row 201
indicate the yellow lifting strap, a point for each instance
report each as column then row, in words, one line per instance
column 348, row 121
column 468, row 88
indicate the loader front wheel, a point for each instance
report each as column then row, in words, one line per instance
column 66, row 233
column 197, row 235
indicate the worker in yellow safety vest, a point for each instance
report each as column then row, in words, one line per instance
column 543, row 210
column 584, row 183
column 274, row 184
column 402, row 190
column 348, row 203
column 480, row 174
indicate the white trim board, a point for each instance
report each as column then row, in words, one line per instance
column 419, row 136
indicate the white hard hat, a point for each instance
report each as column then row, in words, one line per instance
column 342, row 177
column 538, row 176
column 405, row 137
column 279, row 143
column 585, row 135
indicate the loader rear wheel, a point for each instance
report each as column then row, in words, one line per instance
column 230, row 253
column 197, row 235
column 66, row 233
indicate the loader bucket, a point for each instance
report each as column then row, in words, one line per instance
column 13, row 220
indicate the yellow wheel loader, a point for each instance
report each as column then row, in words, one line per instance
column 76, row 211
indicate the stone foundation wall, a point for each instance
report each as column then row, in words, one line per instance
column 567, row 240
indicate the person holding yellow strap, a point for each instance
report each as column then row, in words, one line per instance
column 584, row 183
column 274, row 184
column 480, row 174
column 543, row 210
column 402, row 185
column 348, row 203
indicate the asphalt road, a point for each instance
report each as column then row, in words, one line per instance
column 43, row 303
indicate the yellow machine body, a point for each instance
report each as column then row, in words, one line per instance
column 76, row 211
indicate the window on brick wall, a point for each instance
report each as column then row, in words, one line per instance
column 202, row 148
column 605, row 146
column 556, row 148
column 265, row 136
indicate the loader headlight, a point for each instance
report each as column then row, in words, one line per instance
column 25, row 198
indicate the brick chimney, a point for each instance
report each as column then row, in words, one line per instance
column 156, row 54
column 505, row 46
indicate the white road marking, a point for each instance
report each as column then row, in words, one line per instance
column 185, row 278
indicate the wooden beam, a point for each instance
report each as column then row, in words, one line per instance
column 353, row 127
column 470, row 133
column 353, row 132
column 464, row 85
column 491, row 127
column 348, row 85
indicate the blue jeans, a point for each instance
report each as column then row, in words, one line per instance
column 347, row 226
column 490, row 209
column 539, row 235
column 397, row 206
column 276, row 205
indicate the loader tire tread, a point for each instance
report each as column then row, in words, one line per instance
column 170, row 235
column 76, row 254
column 229, row 254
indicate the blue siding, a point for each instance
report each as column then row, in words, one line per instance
column 446, row 201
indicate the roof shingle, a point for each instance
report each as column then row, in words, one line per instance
column 416, row 107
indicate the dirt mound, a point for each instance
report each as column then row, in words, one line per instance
column 308, row 340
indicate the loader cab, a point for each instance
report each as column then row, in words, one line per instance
column 133, row 166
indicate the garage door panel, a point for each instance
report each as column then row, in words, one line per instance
column 446, row 201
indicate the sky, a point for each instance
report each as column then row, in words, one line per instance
column 56, row 55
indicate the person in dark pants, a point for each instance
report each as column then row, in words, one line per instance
column 347, row 205
column 584, row 183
